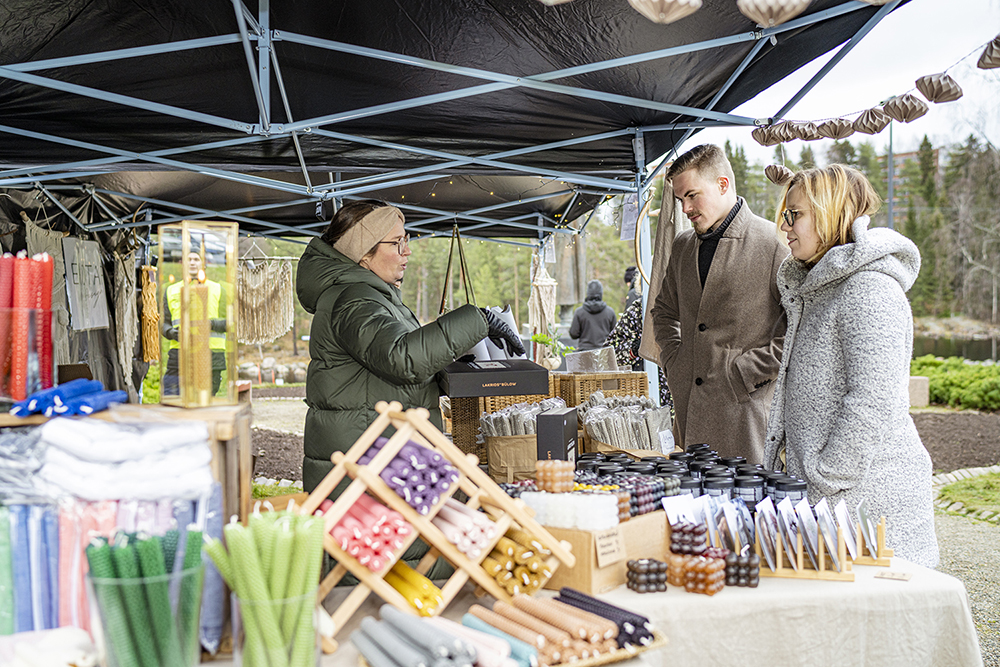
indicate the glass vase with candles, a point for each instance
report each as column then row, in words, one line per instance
column 197, row 297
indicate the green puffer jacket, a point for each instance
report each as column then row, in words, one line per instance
column 366, row 346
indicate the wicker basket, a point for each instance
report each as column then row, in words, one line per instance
column 575, row 388
column 465, row 414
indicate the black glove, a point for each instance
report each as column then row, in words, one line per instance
column 500, row 333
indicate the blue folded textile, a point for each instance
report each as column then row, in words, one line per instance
column 46, row 400
column 91, row 403
column 50, row 528
column 39, row 568
column 21, row 570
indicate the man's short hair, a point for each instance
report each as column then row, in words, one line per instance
column 710, row 161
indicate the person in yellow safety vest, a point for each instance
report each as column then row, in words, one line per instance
column 170, row 327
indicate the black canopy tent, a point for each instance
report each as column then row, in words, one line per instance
column 507, row 118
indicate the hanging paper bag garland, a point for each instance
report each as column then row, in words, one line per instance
column 872, row 121
column 778, row 174
column 769, row 13
column 939, row 88
column 838, row 128
column 905, row 108
column 991, row 55
column 665, row 11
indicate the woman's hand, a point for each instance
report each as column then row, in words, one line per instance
column 500, row 333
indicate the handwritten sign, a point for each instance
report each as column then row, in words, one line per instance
column 88, row 303
column 610, row 547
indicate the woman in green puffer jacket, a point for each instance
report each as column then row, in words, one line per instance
column 365, row 345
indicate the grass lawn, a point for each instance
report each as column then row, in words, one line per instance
column 979, row 493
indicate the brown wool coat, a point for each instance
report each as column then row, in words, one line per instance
column 721, row 347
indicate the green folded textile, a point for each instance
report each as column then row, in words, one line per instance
column 113, row 615
column 154, row 570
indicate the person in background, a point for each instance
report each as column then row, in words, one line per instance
column 170, row 327
column 625, row 339
column 840, row 417
column 717, row 317
column 593, row 321
column 633, row 294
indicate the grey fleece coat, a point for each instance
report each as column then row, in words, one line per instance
column 841, row 405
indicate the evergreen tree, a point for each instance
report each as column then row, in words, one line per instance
column 841, row 152
column 738, row 159
column 868, row 163
column 928, row 171
column 807, row 159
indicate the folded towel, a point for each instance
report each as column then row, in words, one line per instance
column 22, row 574
column 46, row 400
column 97, row 440
column 88, row 404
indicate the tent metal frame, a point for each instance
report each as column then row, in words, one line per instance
column 260, row 43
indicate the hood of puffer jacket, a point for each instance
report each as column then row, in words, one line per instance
column 878, row 249
column 321, row 267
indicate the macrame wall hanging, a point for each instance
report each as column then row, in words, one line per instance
column 150, row 316
column 266, row 297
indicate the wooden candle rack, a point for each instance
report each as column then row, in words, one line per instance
column 482, row 491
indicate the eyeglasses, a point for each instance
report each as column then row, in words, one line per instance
column 401, row 244
column 790, row 216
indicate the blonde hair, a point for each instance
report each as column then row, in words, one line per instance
column 837, row 196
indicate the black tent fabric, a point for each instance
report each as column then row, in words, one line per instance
column 390, row 98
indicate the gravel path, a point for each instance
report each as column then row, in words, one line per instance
column 285, row 415
column 970, row 551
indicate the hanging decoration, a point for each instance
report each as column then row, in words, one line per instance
column 769, row 13
column 552, row 3
column 126, row 316
column 905, row 108
column 991, row 55
column 778, row 174
column 877, row 3
column 806, row 131
column 838, row 128
column 765, row 136
column 939, row 88
column 266, row 296
column 664, row 11
column 872, row 121
column 150, row 316
column 784, row 131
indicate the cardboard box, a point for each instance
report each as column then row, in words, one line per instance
column 509, row 377
column 557, row 435
column 643, row 536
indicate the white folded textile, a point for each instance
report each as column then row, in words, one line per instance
column 98, row 440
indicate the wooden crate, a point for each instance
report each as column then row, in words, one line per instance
column 575, row 388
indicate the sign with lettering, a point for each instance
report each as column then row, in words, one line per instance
column 610, row 547
column 88, row 304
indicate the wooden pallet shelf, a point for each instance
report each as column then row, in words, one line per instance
column 414, row 425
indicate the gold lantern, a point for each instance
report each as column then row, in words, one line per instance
column 939, row 88
column 197, row 282
column 665, row 11
column 770, row 13
column 991, row 55
column 778, row 174
column 838, row 128
column 905, row 108
column 872, row 121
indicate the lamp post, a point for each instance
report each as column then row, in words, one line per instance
column 892, row 169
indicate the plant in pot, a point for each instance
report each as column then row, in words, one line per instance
column 549, row 350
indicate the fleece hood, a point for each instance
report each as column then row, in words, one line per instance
column 880, row 249
column 322, row 266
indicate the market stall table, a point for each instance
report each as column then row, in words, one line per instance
column 871, row 621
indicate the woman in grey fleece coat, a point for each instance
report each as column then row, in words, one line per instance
column 840, row 414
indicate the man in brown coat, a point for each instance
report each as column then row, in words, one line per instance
column 718, row 317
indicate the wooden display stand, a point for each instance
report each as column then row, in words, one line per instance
column 882, row 552
column 824, row 568
column 481, row 490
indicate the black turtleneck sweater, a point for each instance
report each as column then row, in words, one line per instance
column 710, row 241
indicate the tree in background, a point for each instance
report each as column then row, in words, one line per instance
column 807, row 159
column 841, row 152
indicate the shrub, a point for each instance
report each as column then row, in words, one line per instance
column 955, row 382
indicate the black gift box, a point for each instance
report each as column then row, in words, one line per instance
column 556, row 432
column 510, row 377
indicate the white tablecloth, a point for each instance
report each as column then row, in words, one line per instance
column 783, row 622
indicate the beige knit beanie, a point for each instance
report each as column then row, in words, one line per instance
column 362, row 237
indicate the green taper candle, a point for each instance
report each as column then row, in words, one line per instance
column 154, row 570
column 304, row 648
column 284, row 539
column 127, row 568
column 109, row 601
column 262, row 636
column 189, row 604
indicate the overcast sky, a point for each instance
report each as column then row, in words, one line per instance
column 922, row 37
